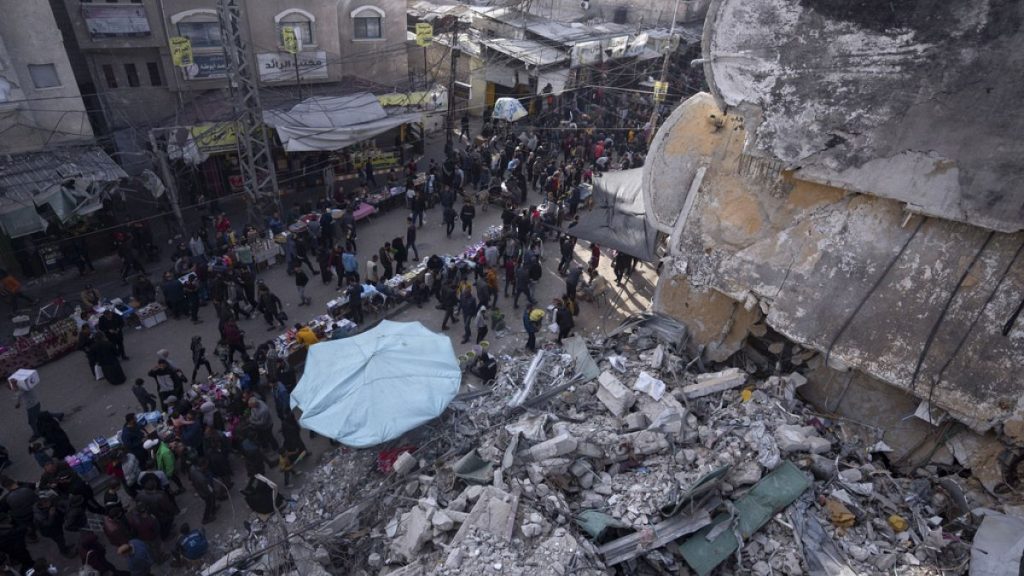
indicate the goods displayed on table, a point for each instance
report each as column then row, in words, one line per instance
column 151, row 314
column 40, row 346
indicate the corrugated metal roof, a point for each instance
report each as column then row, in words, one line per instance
column 528, row 51
column 22, row 176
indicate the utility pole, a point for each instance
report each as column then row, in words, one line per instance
column 255, row 155
column 449, row 119
column 664, row 75
column 168, row 177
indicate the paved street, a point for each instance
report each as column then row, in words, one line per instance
column 96, row 408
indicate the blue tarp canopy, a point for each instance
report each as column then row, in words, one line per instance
column 375, row 386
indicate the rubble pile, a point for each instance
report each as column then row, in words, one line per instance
column 612, row 456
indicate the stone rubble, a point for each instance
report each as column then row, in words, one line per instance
column 630, row 454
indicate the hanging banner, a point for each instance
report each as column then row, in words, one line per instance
column 290, row 40
column 181, row 51
column 206, row 66
column 660, row 90
column 637, row 45
column 280, row 66
column 106, row 21
column 586, row 54
column 424, row 34
column 617, row 46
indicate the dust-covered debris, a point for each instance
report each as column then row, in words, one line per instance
column 633, row 469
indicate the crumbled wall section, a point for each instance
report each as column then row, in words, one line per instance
column 807, row 254
column 914, row 101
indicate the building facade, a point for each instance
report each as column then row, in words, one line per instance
column 40, row 102
column 126, row 45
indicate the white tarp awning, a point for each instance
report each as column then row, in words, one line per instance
column 334, row 122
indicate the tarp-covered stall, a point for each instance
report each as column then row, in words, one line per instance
column 618, row 220
column 333, row 122
column 375, row 386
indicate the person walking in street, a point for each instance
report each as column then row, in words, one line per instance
column 199, row 357
column 410, row 238
column 350, row 266
column 355, row 301
column 49, row 520
column 522, row 286
column 401, row 255
column 165, row 461
column 563, row 318
column 300, row 284
column 449, row 220
column 531, row 323
column 468, row 307
column 385, row 261
column 11, row 287
column 566, row 245
column 262, row 424
column 33, row 407
column 108, row 360
column 133, row 439
column 112, row 326
column 202, row 483
column 157, row 502
column 270, row 305
column 448, row 302
column 168, row 382
column 481, row 323
column 467, row 214
column 373, row 270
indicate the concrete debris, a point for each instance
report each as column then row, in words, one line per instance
column 404, row 464
column 715, row 382
column 677, row 472
column 616, row 397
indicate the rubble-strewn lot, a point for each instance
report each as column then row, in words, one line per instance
column 614, row 456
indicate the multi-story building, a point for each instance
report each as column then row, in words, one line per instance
column 40, row 103
column 126, row 48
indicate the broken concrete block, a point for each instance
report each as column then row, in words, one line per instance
column 558, row 446
column 647, row 442
column 793, row 438
column 442, row 521
column 649, row 385
column 796, row 380
column 404, row 464
column 473, row 492
column 635, row 421
column 1013, row 428
column 531, row 530
column 589, row 450
column 415, row 531
column 744, row 474
column 714, row 382
column 616, row 397
column 454, row 560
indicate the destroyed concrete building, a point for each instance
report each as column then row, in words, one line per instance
column 847, row 199
column 837, row 394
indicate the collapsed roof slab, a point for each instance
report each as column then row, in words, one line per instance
column 916, row 101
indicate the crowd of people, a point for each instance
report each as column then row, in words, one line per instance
column 202, row 442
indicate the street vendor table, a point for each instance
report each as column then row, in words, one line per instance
column 40, row 346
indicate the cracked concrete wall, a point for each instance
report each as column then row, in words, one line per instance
column 916, row 101
column 808, row 255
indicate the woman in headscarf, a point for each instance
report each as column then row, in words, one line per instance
column 108, row 360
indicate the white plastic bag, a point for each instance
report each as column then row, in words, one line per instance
column 553, row 327
column 97, row 371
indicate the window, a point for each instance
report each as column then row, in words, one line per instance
column 368, row 23
column 133, row 75
column 300, row 19
column 154, row 74
column 44, row 75
column 202, row 34
column 108, row 74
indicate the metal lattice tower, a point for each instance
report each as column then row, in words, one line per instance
column 254, row 152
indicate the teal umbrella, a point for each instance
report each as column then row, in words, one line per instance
column 375, row 386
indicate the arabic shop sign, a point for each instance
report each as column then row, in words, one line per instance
column 280, row 66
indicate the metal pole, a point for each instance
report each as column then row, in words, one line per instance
column 664, row 75
column 169, row 181
column 298, row 81
column 426, row 80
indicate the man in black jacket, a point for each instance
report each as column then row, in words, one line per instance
column 467, row 214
